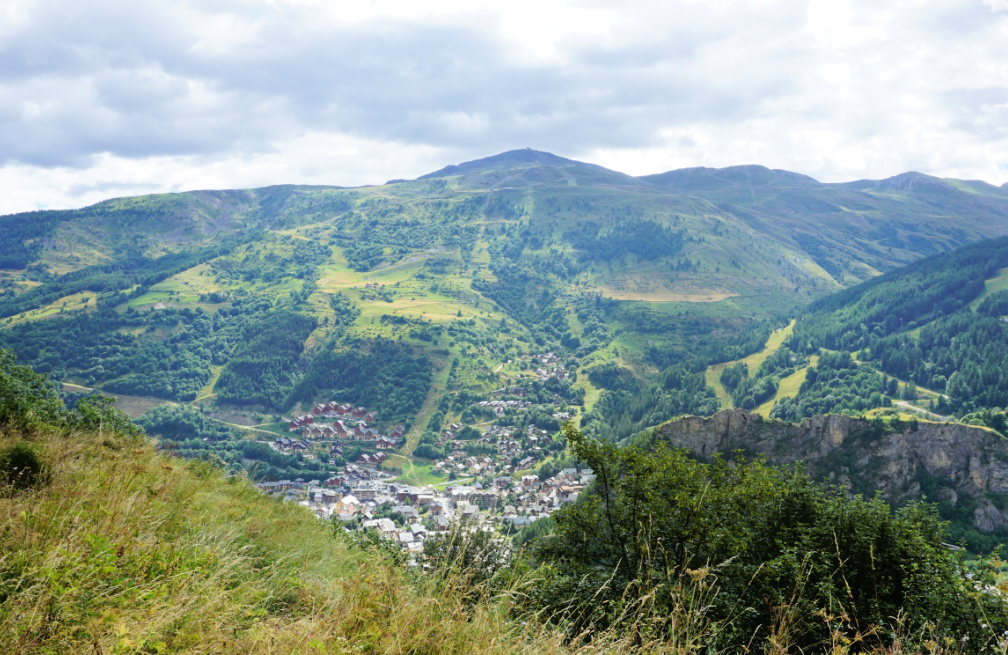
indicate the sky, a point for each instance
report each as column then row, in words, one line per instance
column 111, row 98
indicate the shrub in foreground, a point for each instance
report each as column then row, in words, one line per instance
column 768, row 558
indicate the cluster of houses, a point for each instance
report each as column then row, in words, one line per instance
column 285, row 445
column 500, row 406
column 331, row 409
column 549, row 366
column 408, row 515
column 350, row 424
column 484, row 472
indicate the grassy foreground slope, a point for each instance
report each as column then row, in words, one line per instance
column 126, row 550
column 107, row 545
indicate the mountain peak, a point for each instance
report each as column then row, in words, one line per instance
column 909, row 181
column 505, row 160
column 703, row 178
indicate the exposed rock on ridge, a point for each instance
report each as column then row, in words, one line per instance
column 951, row 460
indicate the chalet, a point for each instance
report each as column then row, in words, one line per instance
column 328, row 432
column 384, row 443
column 339, row 429
column 360, row 412
column 282, row 443
column 366, row 490
column 348, row 504
column 407, row 511
column 326, row 497
column 346, row 410
column 299, row 446
column 315, row 433
column 336, row 448
column 319, row 410
column 399, row 431
column 354, row 471
column 406, row 495
column 364, row 433
column 335, row 481
column 386, row 527
column 484, row 499
column 370, row 417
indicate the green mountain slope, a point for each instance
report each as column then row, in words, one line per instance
column 436, row 293
column 932, row 334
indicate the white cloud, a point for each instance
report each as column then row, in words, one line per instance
column 119, row 97
column 310, row 158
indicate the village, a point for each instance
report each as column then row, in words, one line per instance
column 365, row 498
column 488, row 471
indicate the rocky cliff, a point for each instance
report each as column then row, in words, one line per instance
column 963, row 468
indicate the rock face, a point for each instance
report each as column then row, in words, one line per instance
column 946, row 461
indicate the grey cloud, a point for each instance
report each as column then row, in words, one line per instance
column 130, row 71
column 139, row 80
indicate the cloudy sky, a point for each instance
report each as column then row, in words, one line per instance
column 119, row 97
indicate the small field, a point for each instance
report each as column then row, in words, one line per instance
column 713, row 373
column 997, row 283
column 665, row 295
column 76, row 302
column 788, row 387
column 416, row 473
column 183, row 289
column 132, row 406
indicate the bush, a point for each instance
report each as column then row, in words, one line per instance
column 472, row 559
column 26, row 396
column 22, row 468
column 774, row 554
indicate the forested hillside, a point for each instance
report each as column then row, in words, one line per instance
column 551, row 287
column 938, row 326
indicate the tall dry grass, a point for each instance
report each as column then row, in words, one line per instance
column 125, row 550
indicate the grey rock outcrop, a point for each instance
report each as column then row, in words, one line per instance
column 866, row 455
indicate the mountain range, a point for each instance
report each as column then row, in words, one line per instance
column 560, row 287
column 749, row 230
